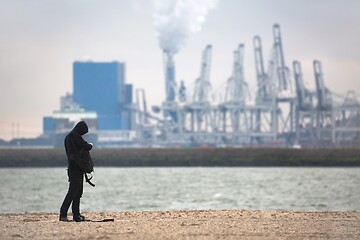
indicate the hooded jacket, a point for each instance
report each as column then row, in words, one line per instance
column 73, row 143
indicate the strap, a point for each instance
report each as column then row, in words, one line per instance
column 103, row 220
column 88, row 180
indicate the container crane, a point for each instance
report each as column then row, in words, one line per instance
column 201, row 119
column 263, row 88
column 324, row 108
column 304, row 121
column 304, row 96
column 282, row 70
column 202, row 91
column 237, row 88
column 323, row 94
column 279, row 73
column 233, row 110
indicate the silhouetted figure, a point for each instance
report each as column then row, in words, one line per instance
column 73, row 143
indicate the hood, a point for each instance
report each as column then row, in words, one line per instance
column 81, row 128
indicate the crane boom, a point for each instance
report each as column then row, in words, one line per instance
column 202, row 84
column 323, row 93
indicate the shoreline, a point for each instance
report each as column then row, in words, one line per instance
column 209, row 157
column 185, row 224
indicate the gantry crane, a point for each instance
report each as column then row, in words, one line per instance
column 233, row 114
column 305, row 109
column 324, row 107
column 199, row 109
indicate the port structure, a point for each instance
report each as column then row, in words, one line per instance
column 284, row 112
column 232, row 111
column 305, row 109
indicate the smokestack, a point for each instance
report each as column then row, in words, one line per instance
column 170, row 83
column 174, row 20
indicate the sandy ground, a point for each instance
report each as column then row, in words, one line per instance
column 209, row 224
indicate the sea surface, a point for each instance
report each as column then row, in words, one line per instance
column 141, row 189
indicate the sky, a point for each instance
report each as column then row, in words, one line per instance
column 40, row 40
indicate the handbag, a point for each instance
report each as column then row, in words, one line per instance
column 84, row 161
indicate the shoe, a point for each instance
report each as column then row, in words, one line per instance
column 64, row 219
column 79, row 218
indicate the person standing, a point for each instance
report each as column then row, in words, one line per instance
column 73, row 143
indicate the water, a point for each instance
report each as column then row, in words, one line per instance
column 137, row 189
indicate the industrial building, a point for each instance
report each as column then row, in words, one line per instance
column 101, row 98
column 101, row 87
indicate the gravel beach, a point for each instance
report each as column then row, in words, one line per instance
column 186, row 224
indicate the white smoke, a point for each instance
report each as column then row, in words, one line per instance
column 175, row 19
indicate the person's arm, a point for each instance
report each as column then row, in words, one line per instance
column 79, row 141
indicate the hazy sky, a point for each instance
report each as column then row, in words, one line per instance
column 40, row 40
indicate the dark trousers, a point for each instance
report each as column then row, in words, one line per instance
column 72, row 197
